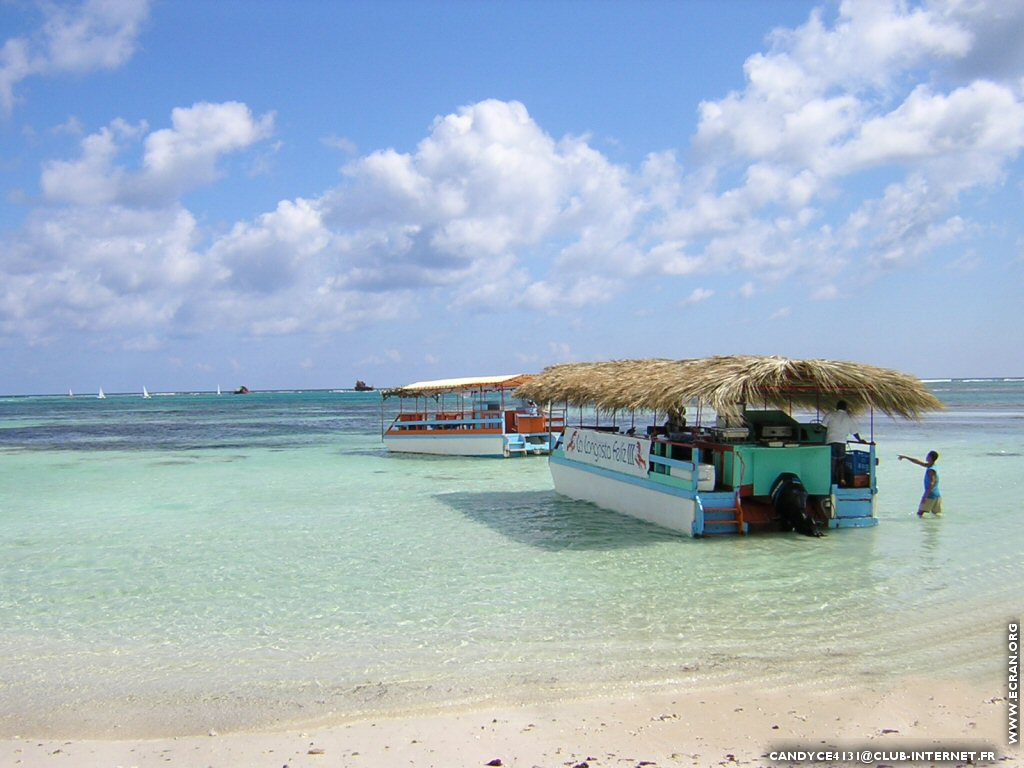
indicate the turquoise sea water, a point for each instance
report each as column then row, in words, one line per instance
column 194, row 562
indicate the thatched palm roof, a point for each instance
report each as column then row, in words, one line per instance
column 726, row 383
column 607, row 384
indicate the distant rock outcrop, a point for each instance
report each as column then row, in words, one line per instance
column 362, row 386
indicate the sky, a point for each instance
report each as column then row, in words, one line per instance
column 302, row 193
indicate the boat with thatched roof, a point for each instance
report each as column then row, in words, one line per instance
column 476, row 416
column 752, row 455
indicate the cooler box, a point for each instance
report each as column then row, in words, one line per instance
column 705, row 477
column 858, row 462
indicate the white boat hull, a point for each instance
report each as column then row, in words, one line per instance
column 632, row 496
column 447, row 445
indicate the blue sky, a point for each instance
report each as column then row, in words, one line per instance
column 299, row 194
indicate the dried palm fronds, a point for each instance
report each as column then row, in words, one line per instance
column 728, row 383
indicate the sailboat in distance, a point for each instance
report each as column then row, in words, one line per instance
column 101, row 396
column 145, row 392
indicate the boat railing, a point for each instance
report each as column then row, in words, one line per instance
column 526, row 423
column 491, row 422
column 556, row 423
column 486, row 420
column 678, row 472
column 407, row 417
column 674, row 468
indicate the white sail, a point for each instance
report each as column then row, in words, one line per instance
column 218, row 389
column 101, row 396
column 145, row 392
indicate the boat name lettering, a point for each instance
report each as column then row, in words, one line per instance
column 621, row 452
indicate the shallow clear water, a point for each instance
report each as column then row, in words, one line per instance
column 193, row 562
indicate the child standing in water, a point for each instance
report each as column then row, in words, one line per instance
column 931, row 500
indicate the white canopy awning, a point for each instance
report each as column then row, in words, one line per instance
column 508, row 380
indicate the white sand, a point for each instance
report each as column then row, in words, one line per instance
column 721, row 727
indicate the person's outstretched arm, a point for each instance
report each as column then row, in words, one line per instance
column 912, row 459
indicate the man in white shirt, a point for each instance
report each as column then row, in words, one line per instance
column 840, row 426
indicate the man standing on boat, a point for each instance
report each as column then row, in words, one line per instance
column 840, row 425
column 931, row 500
column 675, row 423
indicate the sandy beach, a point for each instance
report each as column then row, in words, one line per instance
column 701, row 728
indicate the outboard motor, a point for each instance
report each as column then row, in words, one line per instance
column 789, row 499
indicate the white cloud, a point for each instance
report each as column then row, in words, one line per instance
column 75, row 270
column 586, row 291
column 92, row 179
column 15, row 66
column 906, row 223
column 147, row 343
column 561, row 350
column 345, row 145
column 486, row 193
column 385, row 357
column 697, row 295
column 96, row 34
column 970, row 132
column 97, row 259
column 853, row 143
column 175, row 160
column 185, row 155
column 71, row 127
column 829, row 102
column 484, row 180
column 271, row 253
column 825, row 293
column 74, row 38
column 812, row 87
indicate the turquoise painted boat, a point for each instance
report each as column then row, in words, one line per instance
column 757, row 455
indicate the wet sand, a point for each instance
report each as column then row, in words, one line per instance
column 711, row 727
